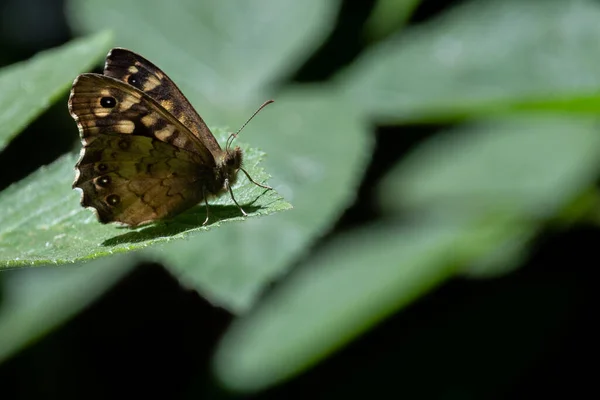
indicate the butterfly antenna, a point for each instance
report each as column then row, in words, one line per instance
column 234, row 135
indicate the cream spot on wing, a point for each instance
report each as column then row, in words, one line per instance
column 181, row 141
column 167, row 104
column 105, row 93
column 151, row 83
column 165, row 133
column 149, row 120
column 128, row 102
column 132, row 70
column 125, row 126
column 101, row 112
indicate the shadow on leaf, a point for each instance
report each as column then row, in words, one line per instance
column 189, row 220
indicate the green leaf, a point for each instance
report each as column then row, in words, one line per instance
column 221, row 53
column 388, row 16
column 30, row 87
column 36, row 300
column 520, row 173
column 41, row 221
column 347, row 287
column 529, row 166
column 317, row 151
column 483, row 57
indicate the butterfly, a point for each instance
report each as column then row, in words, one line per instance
column 147, row 155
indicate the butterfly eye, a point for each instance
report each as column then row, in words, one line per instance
column 108, row 102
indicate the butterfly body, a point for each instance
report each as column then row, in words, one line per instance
column 147, row 155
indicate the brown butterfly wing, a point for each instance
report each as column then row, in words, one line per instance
column 138, row 163
column 136, row 179
column 100, row 104
column 135, row 70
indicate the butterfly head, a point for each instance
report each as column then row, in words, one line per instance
column 232, row 162
column 232, row 158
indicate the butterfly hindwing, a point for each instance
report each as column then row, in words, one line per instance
column 136, row 179
column 135, row 70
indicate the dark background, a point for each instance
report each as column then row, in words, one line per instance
column 528, row 333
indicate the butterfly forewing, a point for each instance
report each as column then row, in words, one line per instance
column 102, row 105
column 135, row 70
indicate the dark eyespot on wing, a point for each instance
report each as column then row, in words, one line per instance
column 108, row 102
column 113, row 199
column 103, row 181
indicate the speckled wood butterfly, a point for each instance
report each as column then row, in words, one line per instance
column 147, row 154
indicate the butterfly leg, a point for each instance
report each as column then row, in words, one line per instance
column 253, row 181
column 233, row 198
column 206, row 203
